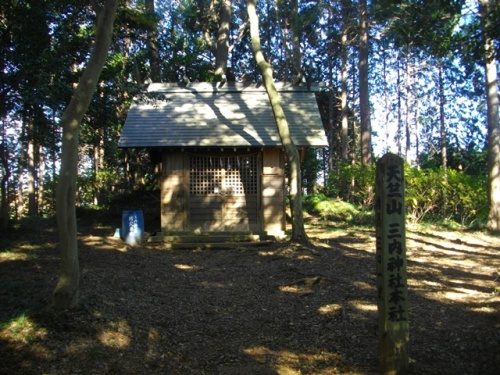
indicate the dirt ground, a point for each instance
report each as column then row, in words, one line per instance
column 274, row 309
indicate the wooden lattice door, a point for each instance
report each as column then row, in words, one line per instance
column 223, row 192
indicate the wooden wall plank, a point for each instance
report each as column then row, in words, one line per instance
column 273, row 191
column 173, row 193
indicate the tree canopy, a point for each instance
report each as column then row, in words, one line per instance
column 425, row 82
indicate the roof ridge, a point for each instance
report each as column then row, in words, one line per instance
column 231, row 87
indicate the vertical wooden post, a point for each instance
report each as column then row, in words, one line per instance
column 391, row 266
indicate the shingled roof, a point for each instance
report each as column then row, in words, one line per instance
column 222, row 115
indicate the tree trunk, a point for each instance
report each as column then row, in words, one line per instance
column 442, row 136
column 4, row 162
column 386, row 104
column 98, row 156
column 493, row 223
column 152, row 43
column 417, row 130
column 330, row 131
column 222, row 49
column 96, row 194
column 67, row 289
column 407, row 107
column 126, row 170
column 298, row 231
column 442, row 123
column 4, row 203
column 344, row 132
column 41, row 183
column 364, row 98
column 20, row 174
column 296, row 53
column 399, row 132
column 284, row 54
column 31, row 170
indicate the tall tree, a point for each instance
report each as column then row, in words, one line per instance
column 4, row 174
column 152, row 41
column 66, row 293
column 490, row 67
column 364, row 97
column 442, row 122
column 296, row 52
column 222, row 46
column 298, row 231
column 344, row 132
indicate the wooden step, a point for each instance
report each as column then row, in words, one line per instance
column 214, row 237
column 214, row 245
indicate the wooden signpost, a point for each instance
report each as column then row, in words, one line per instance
column 392, row 286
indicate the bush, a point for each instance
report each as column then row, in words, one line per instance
column 424, row 192
column 430, row 195
column 455, row 196
column 352, row 183
column 335, row 209
column 466, row 197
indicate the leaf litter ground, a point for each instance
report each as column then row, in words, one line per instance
column 275, row 309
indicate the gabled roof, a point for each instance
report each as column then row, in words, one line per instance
column 220, row 115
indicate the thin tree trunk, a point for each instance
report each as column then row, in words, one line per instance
column 96, row 174
column 152, row 43
column 344, row 132
column 355, row 140
column 127, row 173
column 53, row 151
column 31, row 172
column 399, row 135
column 364, row 97
column 20, row 174
column 4, row 160
column 442, row 124
column 66, row 292
column 298, row 231
column 331, row 130
column 41, row 183
column 296, row 53
column 331, row 102
column 285, row 59
column 386, row 104
column 4, row 203
column 408, row 105
column 417, row 131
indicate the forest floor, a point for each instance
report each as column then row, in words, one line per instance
column 275, row 309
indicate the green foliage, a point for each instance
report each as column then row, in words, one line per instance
column 430, row 195
column 424, row 192
column 427, row 25
column 329, row 208
column 103, row 183
column 42, row 43
column 455, row 196
column 334, row 209
column 310, row 168
column 353, row 183
column 466, row 197
column 470, row 160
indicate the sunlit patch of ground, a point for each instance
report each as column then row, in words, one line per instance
column 465, row 268
column 290, row 363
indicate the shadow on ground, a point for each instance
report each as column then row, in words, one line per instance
column 279, row 309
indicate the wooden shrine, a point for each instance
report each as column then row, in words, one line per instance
column 223, row 167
